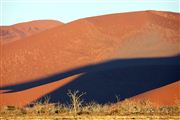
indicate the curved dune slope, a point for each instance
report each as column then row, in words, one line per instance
column 166, row 95
column 22, row 30
column 89, row 41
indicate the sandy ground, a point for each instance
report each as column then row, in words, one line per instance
column 131, row 117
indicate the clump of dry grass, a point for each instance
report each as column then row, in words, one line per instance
column 12, row 110
column 133, row 107
column 171, row 110
column 78, row 107
column 44, row 107
column 95, row 109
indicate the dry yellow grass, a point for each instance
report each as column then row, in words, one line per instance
column 77, row 109
column 92, row 117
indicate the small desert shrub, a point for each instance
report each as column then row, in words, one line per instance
column 75, row 101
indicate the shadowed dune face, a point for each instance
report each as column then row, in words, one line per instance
column 103, row 81
column 23, row 30
column 89, row 41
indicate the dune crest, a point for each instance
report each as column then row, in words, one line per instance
column 23, row 30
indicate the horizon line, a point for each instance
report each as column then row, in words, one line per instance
column 50, row 19
column 86, row 17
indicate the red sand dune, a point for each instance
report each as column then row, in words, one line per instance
column 22, row 30
column 86, row 41
column 166, row 95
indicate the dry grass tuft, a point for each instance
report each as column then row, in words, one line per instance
column 78, row 107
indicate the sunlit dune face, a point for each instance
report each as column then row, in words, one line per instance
column 166, row 95
column 80, row 43
column 23, row 30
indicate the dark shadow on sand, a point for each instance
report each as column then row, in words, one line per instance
column 103, row 81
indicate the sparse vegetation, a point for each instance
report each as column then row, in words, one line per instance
column 76, row 101
column 78, row 107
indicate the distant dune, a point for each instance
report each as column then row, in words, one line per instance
column 88, row 41
column 22, row 30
